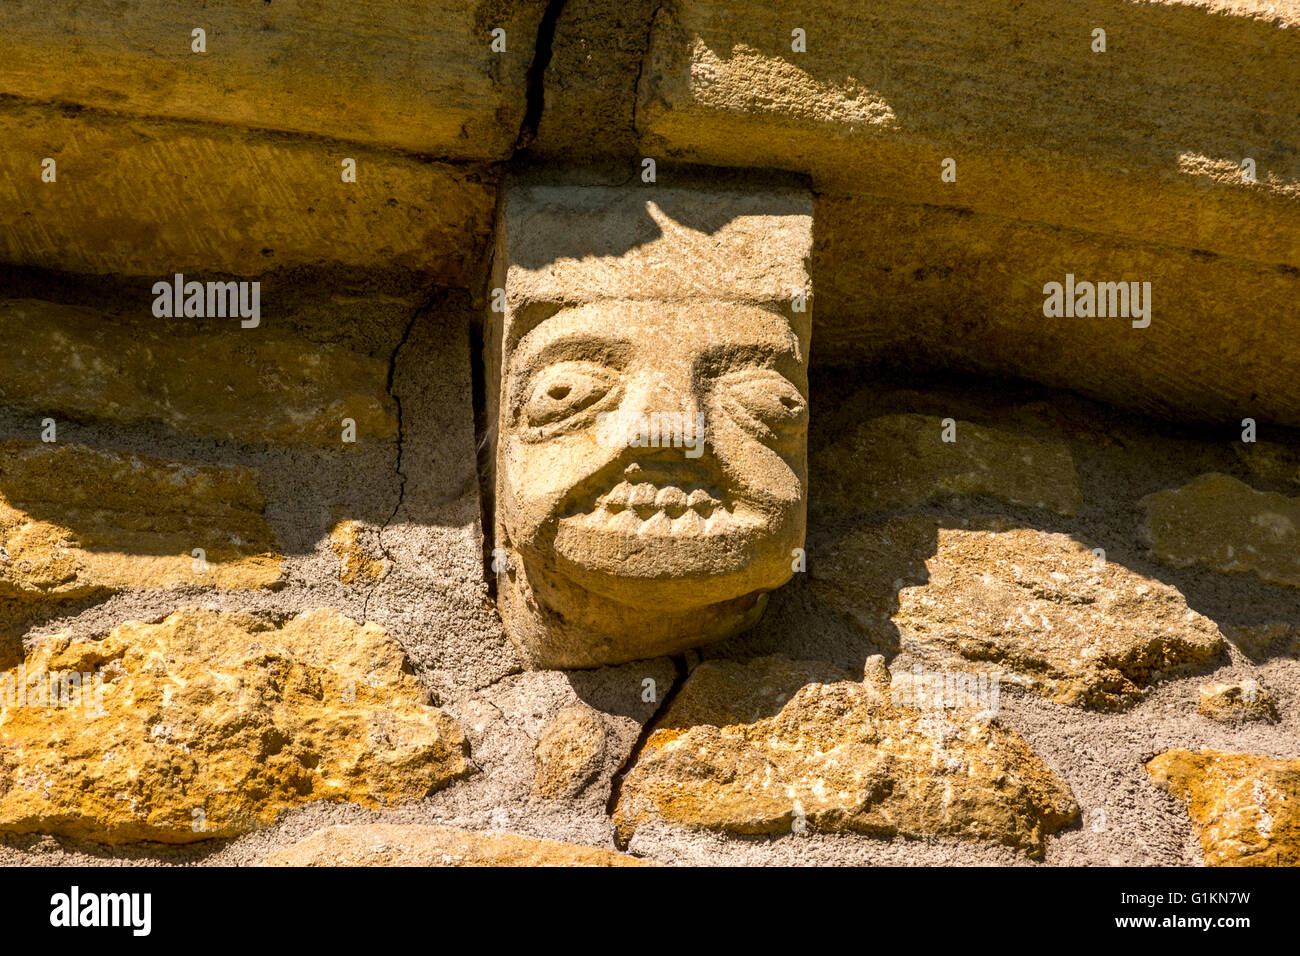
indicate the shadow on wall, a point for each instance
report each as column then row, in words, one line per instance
column 730, row 194
column 1009, row 77
column 1022, row 547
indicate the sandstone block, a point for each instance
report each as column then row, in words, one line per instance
column 764, row 748
column 1245, row 807
column 1131, row 142
column 955, row 289
column 423, row 78
column 76, row 521
column 1262, row 641
column 570, row 752
column 897, row 461
column 1037, row 609
column 358, row 563
column 1226, row 525
column 1235, row 703
column 1271, row 460
column 210, row 724
column 380, row 844
column 248, row 385
column 223, row 201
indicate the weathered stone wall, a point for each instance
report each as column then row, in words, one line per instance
column 1046, row 605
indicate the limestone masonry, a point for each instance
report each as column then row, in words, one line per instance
column 663, row 433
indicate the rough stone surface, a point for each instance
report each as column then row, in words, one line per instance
column 250, row 385
column 596, row 61
column 650, row 393
column 1262, row 641
column 225, row 201
column 1270, row 460
column 358, row 563
column 929, row 286
column 420, row 77
column 1238, row 702
column 1038, row 609
column 1245, row 807
column 897, row 461
column 570, row 752
column 1223, row 523
column 764, row 748
column 1135, row 137
column 569, row 732
column 780, row 171
column 210, row 724
column 435, row 598
column 413, row 845
column 76, row 521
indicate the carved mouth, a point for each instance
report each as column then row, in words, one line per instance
column 658, row 509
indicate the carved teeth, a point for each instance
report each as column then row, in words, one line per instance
column 642, row 499
column 671, row 501
column 625, row 522
column 617, row 498
column 702, row 502
column 628, row 504
column 689, row 523
column 659, row 524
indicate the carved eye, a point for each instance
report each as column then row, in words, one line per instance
column 763, row 402
column 562, row 393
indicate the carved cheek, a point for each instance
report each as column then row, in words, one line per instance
column 765, row 476
column 758, row 422
column 538, row 476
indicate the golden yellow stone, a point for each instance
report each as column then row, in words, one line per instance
column 210, row 724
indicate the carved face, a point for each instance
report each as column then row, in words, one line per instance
column 653, row 453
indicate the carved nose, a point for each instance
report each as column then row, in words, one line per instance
column 674, row 397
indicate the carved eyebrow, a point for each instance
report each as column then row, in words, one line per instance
column 576, row 346
column 720, row 359
column 579, row 346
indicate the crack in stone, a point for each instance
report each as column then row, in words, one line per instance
column 616, row 782
column 401, row 448
column 640, row 71
column 535, row 76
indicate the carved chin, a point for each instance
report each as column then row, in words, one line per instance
column 682, row 560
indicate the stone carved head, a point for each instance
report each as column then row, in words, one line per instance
column 651, row 471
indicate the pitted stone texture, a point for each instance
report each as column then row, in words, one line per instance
column 244, row 384
column 1224, row 524
column 570, row 753
column 427, row 78
column 78, row 522
column 1245, row 807
column 573, row 731
column 1241, row 702
column 210, row 724
column 224, row 201
column 356, row 547
column 648, row 378
column 767, row 748
column 896, row 461
column 1270, row 460
column 382, row 844
column 1039, row 609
